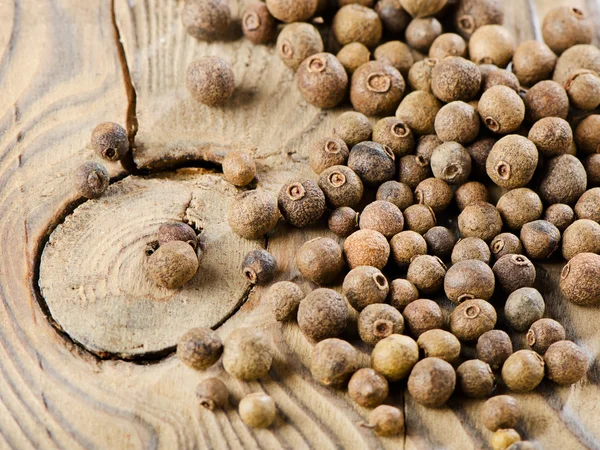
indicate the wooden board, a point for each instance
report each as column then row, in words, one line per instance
column 67, row 65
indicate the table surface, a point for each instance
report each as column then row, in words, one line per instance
column 67, row 65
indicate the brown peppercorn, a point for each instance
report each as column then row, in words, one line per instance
column 353, row 55
column 341, row 186
column 382, row 216
column 543, row 333
column 501, row 411
column 173, row 264
column 333, row 361
column 500, row 77
column 470, row 193
column 343, row 221
column 422, row 32
column 552, row 136
column 248, row 354
column 514, row 272
column 564, row 180
column 432, row 382
column 298, row 41
column 292, row 10
column 259, row 267
column 395, row 134
column 376, row 88
column 566, row 26
column 177, row 231
column 588, row 205
column 578, row 57
column 365, row 286
column 378, row 321
column 258, row 25
column 212, row 394
column 455, row 78
column 502, row 439
column 366, row 248
column 396, row 54
column 417, row 8
column 418, row 110
column 320, row 260
column 533, row 62
column 583, row 236
column 301, row 202
column 91, row 180
column 368, row 388
column 395, row 356
column 480, row 220
column 580, row 279
column 206, row 20
column 326, row 152
column 471, row 319
column 505, row 244
column 427, row 273
column 479, row 152
column 399, row 194
column 239, row 168
column 109, row 141
column 402, row 292
column 583, row 89
column 322, row 314
column 322, row 80
column 587, row 136
column 210, row 80
column 435, row 193
column 284, row 297
column 257, row 410
column 440, row 242
column 439, row 344
column 523, row 371
column 253, row 214
column 199, row 348
column 386, row 420
column 419, row 75
column 468, row 280
column 353, row 127
column 413, row 170
column 472, row 14
column 475, row 379
column 501, row 109
column 470, row 248
column 546, row 99
column 560, row 215
column 374, row 163
column 407, row 245
column 492, row 44
column 519, row 207
column 566, row 362
column 512, row 161
column 394, row 18
column 357, row 23
column 423, row 315
column 592, row 168
column 494, row 347
column 419, row 218
column 451, row 163
column 540, row 239
column 448, row 44
column 523, row 307
column 458, row 122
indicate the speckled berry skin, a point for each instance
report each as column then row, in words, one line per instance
column 322, row 80
column 252, row 214
column 109, row 141
column 199, row 348
column 376, row 89
column 322, row 314
column 173, row 264
column 248, row 354
column 91, row 180
column 206, row 20
column 210, row 80
column 301, row 202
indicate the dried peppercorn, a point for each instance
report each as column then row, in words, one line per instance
column 451, row 163
column 583, row 89
column 368, row 388
column 523, row 307
column 399, row 194
column 292, row 10
column 455, row 78
column 210, row 80
column 519, row 207
column 177, row 231
column 386, row 420
column 494, row 347
column 395, row 134
column 212, row 394
column 322, row 80
column 492, row 44
column 248, row 354
column 502, row 439
column 413, row 170
column 475, row 378
column 376, row 88
column 333, row 361
column 427, row 273
column 199, row 348
column 320, row 260
column 566, row 362
column 407, row 245
column 523, row 371
column 418, row 110
column 322, row 314
column 501, row 109
column 341, row 186
column 479, row 152
column 366, row 248
column 109, row 141
column 417, row 8
column 440, row 242
column 457, row 122
column 480, row 220
column 253, row 214
column 378, row 321
column 402, row 292
column 357, row 23
column 365, row 286
column 284, row 297
column 296, row 42
column 448, row 44
column 419, row 218
column 301, row 202
column 239, row 168
column 500, row 77
column 546, row 99
column 470, row 248
column 471, row 319
column 258, row 25
column 505, row 244
column 382, row 216
column 173, row 264
column 432, row 382
column 514, row 272
column 540, row 239
column 422, row 315
column 374, row 163
column 469, row 193
column 395, row 356
column 578, row 57
column 533, row 61
column 512, row 161
column 583, row 236
column 343, row 221
column 422, row 31
column 566, row 26
column 564, row 180
column 580, row 279
column 353, row 55
column 543, row 333
column 468, row 280
column 588, row 205
column 396, row 54
column 473, row 14
column 501, row 411
column 592, row 168
column 394, row 18
column 91, row 180
column 419, row 75
column 552, row 136
column 587, row 137
column 257, row 410
column 327, row 152
column 259, row 267
column 353, row 128
column 440, row 344
column 206, row 20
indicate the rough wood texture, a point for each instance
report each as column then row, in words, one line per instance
column 62, row 71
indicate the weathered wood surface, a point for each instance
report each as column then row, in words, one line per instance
column 62, row 71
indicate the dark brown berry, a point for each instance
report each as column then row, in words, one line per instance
column 376, row 89
column 543, row 333
column 333, row 361
column 494, row 347
column 285, row 297
column 341, row 186
column 292, row 10
column 206, row 20
column 374, row 163
column 396, row 54
column 395, row 134
column 479, row 152
column 457, row 121
column 320, row 260
column 566, row 26
column 394, row 18
column 583, row 236
column 580, row 279
column 501, row 109
column 480, row 220
column 386, row 420
column 258, row 25
column 566, row 362
column 492, row 44
column 473, row 14
column 257, row 410
column 413, row 170
column 540, row 239
column 419, row 218
column 469, row 193
column 448, row 44
column 368, row 388
column 199, row 348
column 468, row 280
column 427, row 273
column 475, row 379
column 455, row 78
column 451, row 163
column 440, row 242
column 512, row 161
column 587, row 136
column 533, row 62
column 592, row 168
column 588, row 205
column 298, row 41
column 418, row 110
column 560, row 215
column 366, row 248
column 353, row 55
column 501, row 411
column 523, row 307
column 432, row 382
column 239, row 168
column 395, row 356
column 353, row 127
column 500, row 77
column 471, row 319
column 546, row 99
column 259, row 267
column 210, row 80
column 357, row 23
column 382, row 216
column 177, row 231
column 422, row 32
column 248, row 354
column 301, row 202
column 440, row 344
column 583, row 89
column 365, row 286
column 407, row 245
column 552, row 136
column 91, row 180
column 173, row 264
column 471, row 248
column 523, row 371
column 419, row 75
column 505, row 244
column 212, row 394
column 518, row 207
column 378, row 321
column 402, row 292
column 327, row 152
column 322, row 314
column 399, row 194
column 109, row 141
column 253, row 214
column 514, row 272
column 423, row 315
column 564, row 180
column 322, row 80
column 343, row 221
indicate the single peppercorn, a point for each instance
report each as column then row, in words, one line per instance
column 212, row 394
column 546, row 99
column 376, row 88
column 284, row 297
column 471, row 319
column 458, row 122
column 560, row 215
column 177, row 231
column 502, row 439
column 368, row 388
column 417, row 8
column 592, row 168
column 422, row 32
column 341, row 186
column 366, row 248
column 258, row 25
column 492, row 44
column 470, row 248
column 440, row 242
column 413, row 170
column 109, row 141
column 552, row 136
column 333, row 361
column 301, row 202
column 322, row 80
column 583, row 89
column 199, row 348
column 418, row 110
column 210, row 80
column 393, row 16
column 365, row 286
column 512, row 161
column 501, row 411
column 343, row 221
column 543, row 333
column 469, row 193
column 327, row 152
column 523, row 371
column 580, row 279
column 396, row 54
column 259, row 267
column 566, row 362
column 479, row 152
column 386, row 420
column 402, row 292
column 382, row 216
column 432, row 382
column 248, row 354
column 378, row 321
column 407, row 245
column 455, row 78
column 473, row 14
column 494, row 347
column 322, row 314
column 505, row 244
column 395, row 356
column 533, row 62
column 423, row 315
column 419, row 218
column 395, row 134
column 501, row 77
column 501, row 109
column 173, row 264
column 353, row 55
column 298, row 41
column 468, row 280
column 475, row 379
column 91, row 180
column 320, row 260
column 519, row 206
column 583, row 236
column 480, row 220
column 419, row 75
column 427, row 273
column 566, row 26
column 252, row 214
column 579, row 57
column 374, row 163
column 564, row 180
column 440, row 344
column 399, row 194
column 523, row 307
column 257, row 410
column 353, row 128
column 588, row 205
column 357, row 23
column 206, row 20
column 448, row 44
column 292, row 10
column 451, row 163
column 239, row 168
column 540, row 239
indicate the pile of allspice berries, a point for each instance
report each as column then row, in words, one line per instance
column 467, row 157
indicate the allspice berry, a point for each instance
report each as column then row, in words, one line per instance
column 578, row 57
column 414, row 169
column 402, row 292
column 364, row 286
column 440, row 242
column 523, row 307
column 252, row 214
column 301, row 202
column 374, row 163
column 503, row 439
column 419, row 218
column 566, row 26
column 543, row 333
column 109, row 141
column 592, row 168
column 327, row 152
column 399, row 194
column 322, row 80
column 173, row 264
column 422, row 32
column 427, row 273
column 500, row 411
column 333, row 361
column 206, row 20
column 473, row 14
column 583, row 89
column 376, row 88
column 564, row 180
column 343, row 221
column 366, row 248
column 239, row 168
column 393, row 16
column 471, row 192
column 588, row 205
column 500, row 77
column 357, row 23
column 470, row 248
column 458, row 122
column 423, row 315
column 519, row 207
column 382, row 216
column 540, row 239
column 341, row 186
column 199, row 348
column 468, row 280
column 501, row 109
column 417, row 8
column 210, row 80
column 353, row 55
column 533, row 62
column 552, row 136
column 432, row 382
column 322, row 314
column 394, row 133
column 292, row 10
column 475, row 379
column 494, row 347
column 455, row 78
column 386, row 420
column 368, row 388
column 560, row 215
column 514, row 272
column 212, row 394
column 248, row 354
column 257, row 410
column 176, row 231
column 284, row 297
column 395, row 356
column 566, row 362
column 296, row 42
column 506, row 244
column 378, row 321
column 320, row 260
column 407, row 245
column 546, row 99
column 258, row 25
column 471, row 319
column 480, row 220
column 91, row 180
column 259, row 267
column 492, row 44
column 587, row 136
column 583, row 236
column 418, row 110
column 419, row 75
column 580, row 279
column 479, row 151
column 440, row 344
column 523, row 371
column 448, row 44
column 396, row 54
column 512, row 161
column 353, row 127
column 451, row 163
